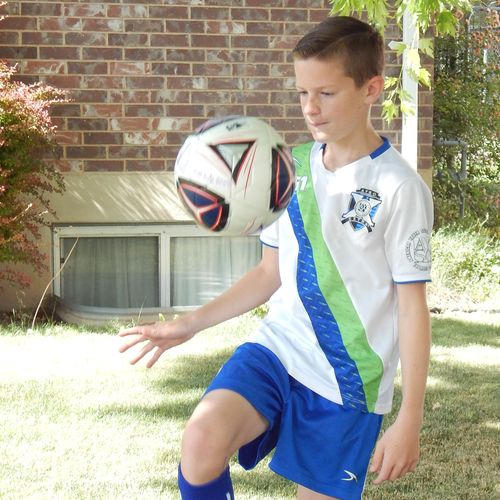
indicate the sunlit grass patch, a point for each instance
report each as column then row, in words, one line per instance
column 78, row 422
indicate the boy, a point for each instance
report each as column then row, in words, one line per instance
column 344, row 270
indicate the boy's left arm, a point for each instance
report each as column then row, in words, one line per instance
column 397, row 452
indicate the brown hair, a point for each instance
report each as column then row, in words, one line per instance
column 358, row 45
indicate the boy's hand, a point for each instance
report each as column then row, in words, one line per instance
column 397, row 451
column 161, row 335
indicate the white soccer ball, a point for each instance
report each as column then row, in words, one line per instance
column 235, row 175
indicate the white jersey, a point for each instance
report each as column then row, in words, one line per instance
column 347, row 237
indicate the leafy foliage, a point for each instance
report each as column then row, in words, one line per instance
column 466, row 265
column 423, row 13
column 26, row 174
column 466, row 110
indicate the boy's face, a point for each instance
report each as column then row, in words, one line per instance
column 333, row 107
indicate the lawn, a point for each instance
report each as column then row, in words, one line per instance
column 78, row 422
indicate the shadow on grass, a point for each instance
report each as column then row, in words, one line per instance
column 182, row 387
column 457, row 333
column 459, row 440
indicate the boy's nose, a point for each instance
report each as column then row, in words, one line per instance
column 311, row 106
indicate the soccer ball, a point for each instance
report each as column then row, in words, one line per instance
column 235, row 175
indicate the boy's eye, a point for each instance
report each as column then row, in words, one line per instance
column 327, row 94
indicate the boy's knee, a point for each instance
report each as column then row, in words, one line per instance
column 204, row 453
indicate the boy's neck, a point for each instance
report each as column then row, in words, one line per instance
column 350, row 149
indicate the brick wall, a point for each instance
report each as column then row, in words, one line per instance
column 141, row 75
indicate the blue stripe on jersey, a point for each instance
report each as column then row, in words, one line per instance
column 324, row 323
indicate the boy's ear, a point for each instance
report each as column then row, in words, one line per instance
column 374, row 88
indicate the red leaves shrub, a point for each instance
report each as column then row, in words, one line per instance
column 27, row 171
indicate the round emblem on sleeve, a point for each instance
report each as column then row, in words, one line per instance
column 418, row 250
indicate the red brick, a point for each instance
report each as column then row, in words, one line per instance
column 267, row 111
column 84, row 152
column 101, row 110
column 42, row 67
column 151, row 54
column 130, row 124
column 84, row 39
column 145, row 138
column 184, row 110
column 264, row 28
column 225, row 110
column 83, row 96
column 143, row 110
column 182, row 82
column 121, row 11
column 184, row 26
column 169, row 12
column 211, row 70
column 225, row 83
column 18, row 53
column 210, row 97
column 102, row 138
column 65, row 110
column 103, row 82
column 145, row 25
column 101, row 53
column 128, row 96
column 89, row 9
column 169, row 40
column 225, row 28
column 19, row 23
column 87, row 124
column 65, row 138
column 247, row 97
column 128, row 68
column 184, row 55
column 59, row 53
column 265, row 56
column 104, row 165
column 82, row 68
column 250, row 69
column 210, row 13
column 144, row 165
column 263, row 84
column 100, row 25
column 128, row 151
column 60, row 24
column 164, row 95
column 250, row 14
column 144, row 82
column 9, row 38
column 289, row 15
column 217, row 55
column 170, row 68
column 62, row 81
column 211, row 41
column 39, row 38
column 250, row 42
column 127, row 39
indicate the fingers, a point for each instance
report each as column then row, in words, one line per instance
column 391, row 471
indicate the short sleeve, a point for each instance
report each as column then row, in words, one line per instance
column 408, row 232
column 269, row 235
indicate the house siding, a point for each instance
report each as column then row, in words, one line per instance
column 142, row 75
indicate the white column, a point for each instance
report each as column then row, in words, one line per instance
column 409, row 135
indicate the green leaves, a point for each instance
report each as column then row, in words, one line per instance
column 424, row 13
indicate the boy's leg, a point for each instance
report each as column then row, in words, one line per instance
column 305, row 494
column 222, row 422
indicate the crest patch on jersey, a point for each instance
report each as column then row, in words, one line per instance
column 363, row 206
column 418, row 250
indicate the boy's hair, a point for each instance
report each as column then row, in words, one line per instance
column 358, row 45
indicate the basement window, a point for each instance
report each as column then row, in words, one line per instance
column 146, row 268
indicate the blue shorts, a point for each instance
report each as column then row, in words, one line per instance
column 318, row 444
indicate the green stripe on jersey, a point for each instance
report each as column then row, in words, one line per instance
column 370, row 366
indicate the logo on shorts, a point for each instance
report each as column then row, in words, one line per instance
column 350, row 476
column 363, row 206
column 418, row 250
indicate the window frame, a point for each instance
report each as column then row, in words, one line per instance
column 163, row 232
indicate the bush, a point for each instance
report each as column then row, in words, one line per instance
column 466, row 266
column 26, row 174
column 466, row 109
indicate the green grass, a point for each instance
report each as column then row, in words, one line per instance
column 78, row 422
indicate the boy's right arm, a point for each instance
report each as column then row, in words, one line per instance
column 252, row 290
